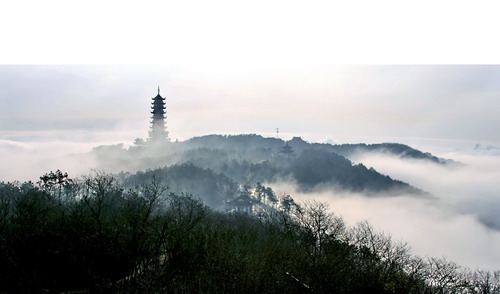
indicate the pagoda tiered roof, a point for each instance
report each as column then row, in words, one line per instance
column 158, row 118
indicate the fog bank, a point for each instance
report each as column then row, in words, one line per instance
column 460, row 222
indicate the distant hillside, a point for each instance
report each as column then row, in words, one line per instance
column 311, row 165
column 246, row 142
column 396, row 149
column 215, row 165
column 212, row 187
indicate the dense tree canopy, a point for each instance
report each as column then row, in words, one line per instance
column 248, row 159
column 97, row 234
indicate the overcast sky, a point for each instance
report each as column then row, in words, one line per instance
column 334, row 103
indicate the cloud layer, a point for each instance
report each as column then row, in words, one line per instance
column 461, row 222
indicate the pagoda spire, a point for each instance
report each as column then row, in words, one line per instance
column 158, row 116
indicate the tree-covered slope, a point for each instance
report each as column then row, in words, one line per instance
column 395, row 149
column 214, row 188
column 314, row 168
column 252, row 142
column 249, row 159
column 253, row 158
column 94, row 235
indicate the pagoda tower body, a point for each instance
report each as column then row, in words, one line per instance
column 158, row 116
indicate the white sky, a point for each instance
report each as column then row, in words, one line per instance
column 215, row 34
column 419, row 104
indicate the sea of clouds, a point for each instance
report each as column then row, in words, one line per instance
column 459, row 221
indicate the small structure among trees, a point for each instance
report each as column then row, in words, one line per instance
column 254, row 201
column 286, row 151
column 241, row 204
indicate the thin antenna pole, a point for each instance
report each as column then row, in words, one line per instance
column 277, row 133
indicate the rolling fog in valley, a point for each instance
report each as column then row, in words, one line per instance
column 459, row 220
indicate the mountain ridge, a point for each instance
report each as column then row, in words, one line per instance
column 248, row 159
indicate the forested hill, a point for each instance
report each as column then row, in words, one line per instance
column 214, row 165
column 346, row 150
column 311, row 165
column 396, row 149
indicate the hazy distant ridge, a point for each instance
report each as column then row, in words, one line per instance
column 213, row 166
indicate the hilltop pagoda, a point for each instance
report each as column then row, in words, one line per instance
column 158, row 116
column 286, row 151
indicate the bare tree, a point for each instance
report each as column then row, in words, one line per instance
column 320, row 225
column 444, row 276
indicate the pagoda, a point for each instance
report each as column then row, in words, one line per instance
column 158, row 116
column 287, row 151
